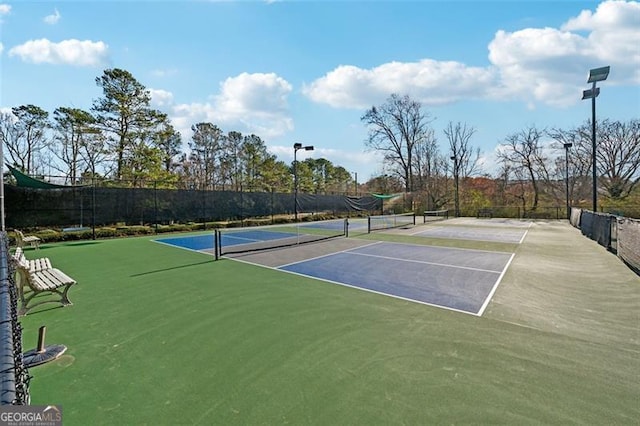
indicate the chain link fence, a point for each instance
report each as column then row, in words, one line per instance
column 620, row 235
column 91, row 206
column 14, row 380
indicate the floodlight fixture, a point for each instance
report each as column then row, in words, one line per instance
column 598, row 74
column 590, row 93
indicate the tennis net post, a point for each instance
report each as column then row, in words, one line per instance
column 215, row 244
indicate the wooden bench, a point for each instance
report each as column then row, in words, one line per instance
column 36, row 278
column 485, row 212
column 21, row 240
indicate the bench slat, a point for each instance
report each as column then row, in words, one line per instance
column 49, row 279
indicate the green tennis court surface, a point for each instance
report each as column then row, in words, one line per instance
column 164, row 336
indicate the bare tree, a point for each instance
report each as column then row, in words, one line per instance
column 467, row 157
column 395, row 128
column 579, row 156
column 24, row 133
column 71, row 125
column 431, row 172
column 618, row 156
column 523, row 152
column 95, row 154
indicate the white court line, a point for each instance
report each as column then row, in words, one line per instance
column 465, row 238
column 202, row 251
column 495, row 287
column 406, row 299
column 426, row 263
column 350, row 251
column 328, row 254
column 442, row 247
column 250, row 240
column 525, row 234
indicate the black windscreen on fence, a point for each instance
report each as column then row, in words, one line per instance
column 85, row 206
column 597, row 226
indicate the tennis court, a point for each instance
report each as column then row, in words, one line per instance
column 504, row 235
column 451, row 278
column 557, row 343
column 240, row 240
column 456, row 279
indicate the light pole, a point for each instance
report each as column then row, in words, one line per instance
column 356, row 182
column 566, row 170
column 297, row 146
column 595, row 75
column 455, row 177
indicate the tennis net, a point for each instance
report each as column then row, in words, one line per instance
column 433, row 215
column 376, row 223
column 244, row 240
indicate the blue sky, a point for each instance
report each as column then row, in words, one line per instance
column 306, row 71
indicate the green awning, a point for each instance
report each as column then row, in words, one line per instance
column 385, row 196
column 27, row 181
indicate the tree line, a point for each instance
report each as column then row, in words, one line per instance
column 123, row 139
column 532, row 164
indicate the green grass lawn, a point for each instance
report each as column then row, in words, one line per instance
column 159, row 335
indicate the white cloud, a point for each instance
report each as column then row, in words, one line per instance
column 535, row 65
column 251, row 93
column 53, row 18
column 551, row 64
column 160, row 98
column 5, row 9
column 164, row 73
column 248, row 103
column 609, row 15
column 68, row 52
column 431, row 82
column 1, row 47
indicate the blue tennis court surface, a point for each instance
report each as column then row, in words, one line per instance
column 207, row 242
column 458, row 279
column 197, row 242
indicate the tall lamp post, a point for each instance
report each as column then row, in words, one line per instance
column 595, row 75
column 566, row 169
column 356, row 183
column 297, row 146
column 455, row 177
